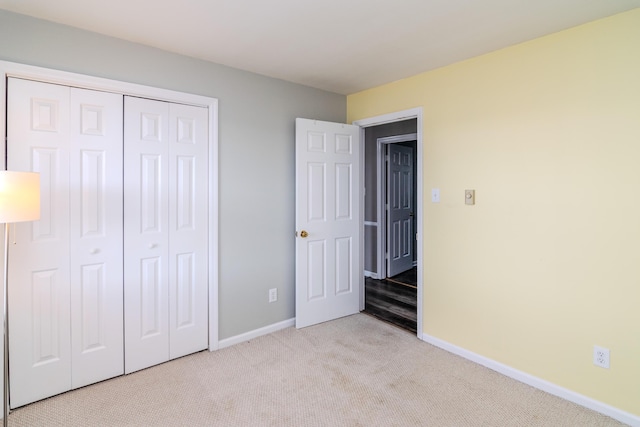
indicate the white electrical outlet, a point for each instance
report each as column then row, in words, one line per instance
column 601, row 356
column 273, row 294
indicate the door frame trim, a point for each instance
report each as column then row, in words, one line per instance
column 413, row 113
column 382, row 228
column 47, row 75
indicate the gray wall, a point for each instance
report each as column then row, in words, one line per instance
column 256, row 136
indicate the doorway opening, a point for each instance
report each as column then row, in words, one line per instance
column 391, row 212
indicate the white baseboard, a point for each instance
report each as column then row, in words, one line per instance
column 371, row 275
column 248, row 336
column 556, row 390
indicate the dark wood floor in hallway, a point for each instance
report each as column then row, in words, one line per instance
column 394, row 300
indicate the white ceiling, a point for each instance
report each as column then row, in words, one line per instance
column 342, row 46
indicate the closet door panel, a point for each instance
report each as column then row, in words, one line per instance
column 146, row 233
column 188, row 195
column 92, row 295
column 96, row 236
column 39, row 277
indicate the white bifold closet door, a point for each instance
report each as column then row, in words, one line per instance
column 65, row 270
column 165, row 232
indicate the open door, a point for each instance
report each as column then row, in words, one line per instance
column 328, row 222
column 400, row 209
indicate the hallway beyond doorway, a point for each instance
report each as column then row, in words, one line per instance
column 394, row 299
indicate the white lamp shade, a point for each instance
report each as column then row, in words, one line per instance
column 19, row 196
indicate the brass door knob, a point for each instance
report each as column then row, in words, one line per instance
column 304, row 233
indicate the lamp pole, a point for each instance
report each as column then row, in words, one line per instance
column 5, row 416
column 19, row 201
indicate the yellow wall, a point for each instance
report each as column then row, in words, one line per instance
column 547, row 263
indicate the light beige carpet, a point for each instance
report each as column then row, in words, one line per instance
column 356, row 371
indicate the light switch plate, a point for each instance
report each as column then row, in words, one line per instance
column 435, row 195
column 469, row 197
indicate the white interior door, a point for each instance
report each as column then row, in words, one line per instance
column 146, row 241
column 66, row 269
column 166, row 232
column 400, row 209
column 188, row 229
column 95, row 216
column 39, row 277
column 328, row 221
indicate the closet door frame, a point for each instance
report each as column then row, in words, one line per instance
column 11, row 69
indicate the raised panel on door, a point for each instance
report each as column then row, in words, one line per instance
column 188, row 229
column 96, row 236
column 146, row 252
column 39, row 289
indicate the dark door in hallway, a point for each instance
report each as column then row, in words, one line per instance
column 400, row 207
